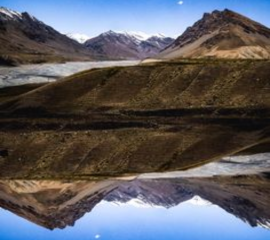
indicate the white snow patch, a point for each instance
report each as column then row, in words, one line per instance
column 79, row 37
column 10, row 13
column 137, row 203
column 198, row 201
column 142, row 36
column 135, row 35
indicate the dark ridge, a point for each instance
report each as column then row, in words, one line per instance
column 221, row 112
column 94, row 126
column 266, row 175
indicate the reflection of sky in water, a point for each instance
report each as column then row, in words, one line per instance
column 36, row 73
column 108, row 221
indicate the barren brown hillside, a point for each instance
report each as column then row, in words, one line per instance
column 149, row 118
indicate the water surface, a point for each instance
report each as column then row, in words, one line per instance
column 220, row 207
column 38, row 73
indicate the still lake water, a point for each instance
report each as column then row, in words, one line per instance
column 38, row 73
column 108, row 221
column 206, row 207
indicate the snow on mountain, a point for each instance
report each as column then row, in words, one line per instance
column 10, row 14
column 79, row 37
column 135, row 35
column 141, row 36
column 127, row 44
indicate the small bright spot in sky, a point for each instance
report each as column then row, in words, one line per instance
column 97, row 236
column 181, row 2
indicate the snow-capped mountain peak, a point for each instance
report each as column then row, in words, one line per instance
column 159, row 35
column 138, row 35
column 141, row 36
column 127, row 44
column 79, row 37
column 108, row 33
column 10, row 14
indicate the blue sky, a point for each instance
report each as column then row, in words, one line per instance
column 151, row 16
column 111, row 222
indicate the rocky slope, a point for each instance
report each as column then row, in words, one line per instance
column 222, row 34
column 125, row 45
column 130, row 120
column 25, row 39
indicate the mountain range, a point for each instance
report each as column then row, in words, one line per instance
column 25, row 39
column 32, row 41
column 221, row 34
column 127, row 45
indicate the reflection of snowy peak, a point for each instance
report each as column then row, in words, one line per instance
column 136, row 202
column 152, row 193
column 250, row 204
column 144, row 203
column 265, row 224
column 198, row 201
column 57, row 204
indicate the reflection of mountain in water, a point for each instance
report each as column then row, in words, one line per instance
column 247, row 198
column 52, row 204
column 59, row 204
